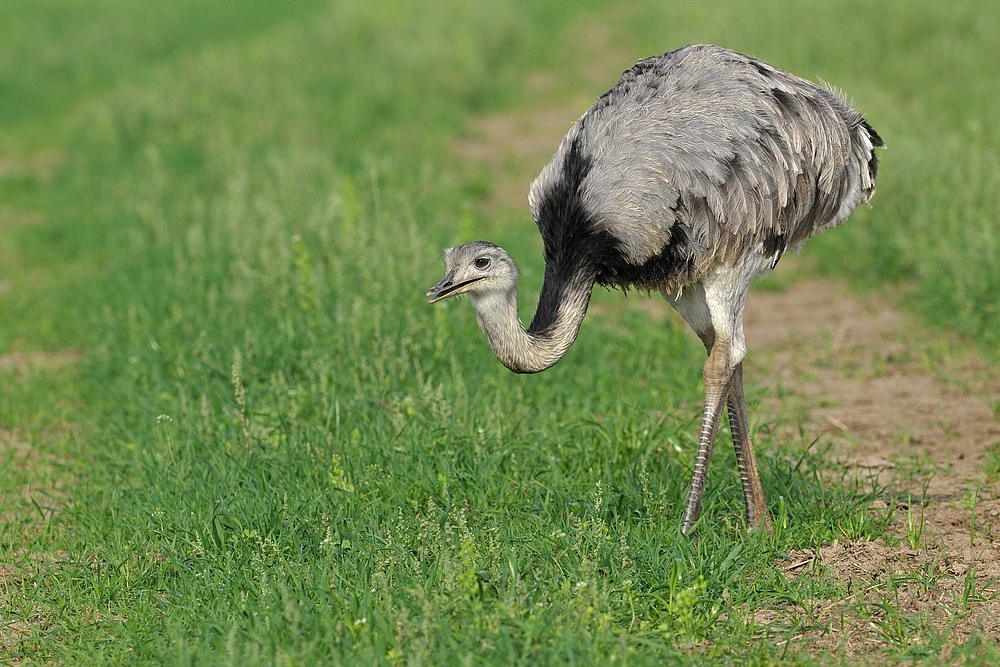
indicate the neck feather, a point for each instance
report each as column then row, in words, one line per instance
column 561, row 308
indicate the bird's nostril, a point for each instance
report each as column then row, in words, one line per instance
column 447, row 284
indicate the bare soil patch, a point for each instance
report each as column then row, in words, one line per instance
column 10, row 217
column 892, row 397
column 40, row 165
column 894, row 594
column 38, row 361
column 912, row 411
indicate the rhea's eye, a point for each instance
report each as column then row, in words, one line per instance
column 482, row 263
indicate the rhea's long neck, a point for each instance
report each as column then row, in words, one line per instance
column 561, row 308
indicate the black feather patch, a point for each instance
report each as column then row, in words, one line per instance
column 675, row 261
column 572, row 253
column 876, row 143
column 876, row 139
column 774, row 245
column 577, row 254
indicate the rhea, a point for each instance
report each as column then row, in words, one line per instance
column 695, row 173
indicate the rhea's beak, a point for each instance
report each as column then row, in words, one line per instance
column 449, row 287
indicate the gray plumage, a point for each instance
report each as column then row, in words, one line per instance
column 737, row 151
column 693, row 175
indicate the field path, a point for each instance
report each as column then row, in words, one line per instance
column 911, row 410
column 872, row 380
column 914, row 411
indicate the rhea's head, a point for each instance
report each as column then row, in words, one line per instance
column 479, row 268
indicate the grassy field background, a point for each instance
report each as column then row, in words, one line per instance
column 272, row 451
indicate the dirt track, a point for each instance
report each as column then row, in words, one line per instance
column 910, row 409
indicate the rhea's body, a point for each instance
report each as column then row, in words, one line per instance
column 692, row 175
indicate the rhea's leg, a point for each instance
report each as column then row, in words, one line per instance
column 718, row 373
column 753, row 492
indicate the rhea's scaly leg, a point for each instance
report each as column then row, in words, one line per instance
column 753, row 492
column 718, row 373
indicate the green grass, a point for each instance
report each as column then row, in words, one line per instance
column 274, row 452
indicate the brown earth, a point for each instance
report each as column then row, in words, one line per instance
column 915, row 412
column 38, row 361
column 891, row 396
column 40, row 165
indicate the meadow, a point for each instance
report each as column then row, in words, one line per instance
column 268, row 449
